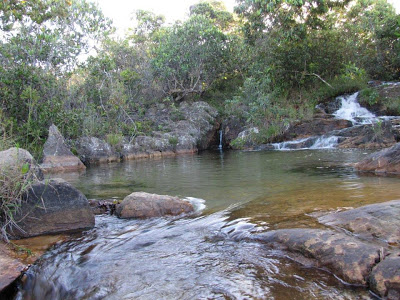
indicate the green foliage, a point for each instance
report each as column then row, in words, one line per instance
column 173, row 140
column 14, row 182
column 190, row 57
column 114, row 139
column 370, row 95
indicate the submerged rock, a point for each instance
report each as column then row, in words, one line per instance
column 376, row 221
column 145, row 205
column 56, row 155
column 52, row 206
column 385, row 161
column 345, row 256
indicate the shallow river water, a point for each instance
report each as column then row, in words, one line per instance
column 209, row 255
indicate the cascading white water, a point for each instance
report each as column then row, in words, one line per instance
column 314, row 142
column 220, row 139
column 352, row 111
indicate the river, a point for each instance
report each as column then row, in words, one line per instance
column 208, row 255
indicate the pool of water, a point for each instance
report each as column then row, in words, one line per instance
column 207, row 255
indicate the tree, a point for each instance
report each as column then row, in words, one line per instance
column 41, row 44
column 190, row 57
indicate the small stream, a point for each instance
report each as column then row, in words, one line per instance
column 208, row 255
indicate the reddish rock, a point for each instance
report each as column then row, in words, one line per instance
column 10, row 268
column 385, row 161
column 145, row 205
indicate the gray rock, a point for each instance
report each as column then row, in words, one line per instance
column 92, row 150
column 376, row 221
column 345, row 256
column 145, row 205
column 52, row 206
column 385, row 278
column 56, row 155
column 385, row 161
column 14, row 159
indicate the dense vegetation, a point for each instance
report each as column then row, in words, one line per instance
column 267, row 64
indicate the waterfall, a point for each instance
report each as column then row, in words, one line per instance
column 314, row 142
column 352, row 111
column 220, row 139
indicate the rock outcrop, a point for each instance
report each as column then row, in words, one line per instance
column 375, row 221
column 52, row 206
column 145, row 205
column 320, row 125
column 57, row 156
column 386, row 161
column 343, row 255
column 376, row 136
column 92, row 150
column 362, row 246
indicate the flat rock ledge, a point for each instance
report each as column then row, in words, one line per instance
column 362, row 248
column 144, row 205
column 10, row 267
column 386, row 161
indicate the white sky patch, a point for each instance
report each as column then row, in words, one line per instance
column 122, row 11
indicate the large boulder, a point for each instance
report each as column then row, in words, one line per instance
column 13, row 163
column 52, row 206
column 145, row 205
column 375, row 221
column 345, row 256
column 385, row 161
column 56, row 155
column 92, row 150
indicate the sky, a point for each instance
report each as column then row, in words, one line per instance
column 121, row 11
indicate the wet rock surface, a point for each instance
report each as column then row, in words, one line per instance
column 52, row 206
column 385, row 277
column 57, row 156
column 375, row 136
column 318, row 126
column 376, row 221
column 145, row 205
column 386, row 161
column 10, row 267
column 343, row 255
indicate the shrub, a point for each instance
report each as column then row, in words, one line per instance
column 14, row 182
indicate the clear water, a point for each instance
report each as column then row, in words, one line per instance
column 206, row 256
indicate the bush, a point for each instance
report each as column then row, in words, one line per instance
column 14, row 182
